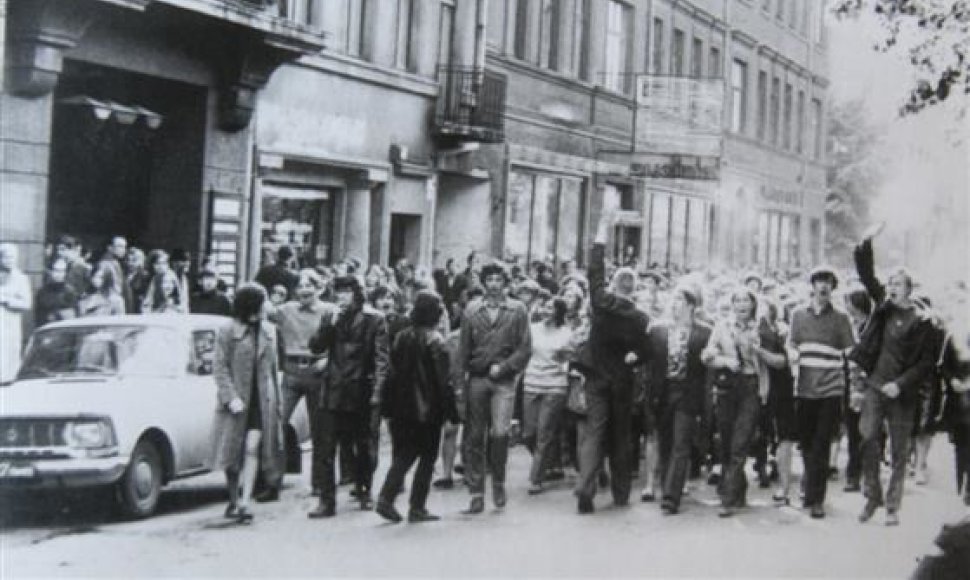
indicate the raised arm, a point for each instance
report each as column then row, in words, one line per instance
column 865, row 265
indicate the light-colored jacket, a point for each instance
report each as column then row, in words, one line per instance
column 234, row 373
column 722, row 352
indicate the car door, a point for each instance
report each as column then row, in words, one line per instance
column 198, row 395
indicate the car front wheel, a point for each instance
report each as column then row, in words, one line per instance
column 141, row 485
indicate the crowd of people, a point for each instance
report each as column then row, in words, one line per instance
column 611, row 376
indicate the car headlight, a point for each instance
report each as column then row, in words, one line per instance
column 88, row 434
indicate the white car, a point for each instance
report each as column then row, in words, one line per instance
column 124, row 401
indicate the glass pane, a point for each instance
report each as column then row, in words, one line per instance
column 762, row 240
column 784, row 244
column 678, row 231
column 773, row 223
column 303, row 224
column 517, row 216
column 697, row 234
column 659, row 221
column 545, row 217
column 570, row 219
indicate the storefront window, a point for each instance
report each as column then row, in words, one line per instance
column 697, row 234
column 659, row 229
column 678, row 231
column 784, row 242
column 544, row 219
column 299, row 218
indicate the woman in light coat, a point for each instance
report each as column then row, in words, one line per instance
column 248, row 430
column 14, row 300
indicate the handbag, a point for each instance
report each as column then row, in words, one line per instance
column 576, row 396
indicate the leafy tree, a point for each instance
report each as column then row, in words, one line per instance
column 853, row 178
column 940, row 54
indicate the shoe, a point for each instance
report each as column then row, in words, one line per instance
column 475, row 506
column 324, row 510
column 459, row 469
column 417, row 516
column 668, row 507
column 714, row 478
column 388, row 512
column 852, row 487
column 647, row 497
column 243, row 515
column 726, row 512
column 444, row 483
column 366, row 503
column 498, row 495
column 346, row 480
column 621, row 502
column 230, row 512
column 780, row 499
column 604, row 479
column 554, row 475
column 585, row 505
column 892, row 518
column 355, row 493
column 817, row 512
column 868, row 511
column 267, row 495
column 535, row 489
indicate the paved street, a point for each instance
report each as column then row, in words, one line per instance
column 534, row 536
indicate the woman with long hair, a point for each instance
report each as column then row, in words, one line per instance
column 102, row 297
column 249, row 424
column 165, row 294
column 741, row 383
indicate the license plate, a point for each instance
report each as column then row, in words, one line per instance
column 17, row 470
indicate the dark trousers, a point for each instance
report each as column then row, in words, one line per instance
column 876, row 410
column 853, row 470
column 542, row 415
column 737, row 417
column 676, row 434
column 489, row 407
column 411, row 441
column 295, row 387
column 608, row 420
column 818, row 421
column 355, row 428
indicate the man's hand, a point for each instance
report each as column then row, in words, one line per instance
column 494, row 372
column 959, row 386
column 236, row 406
column 607, row 219
column 734, row 366
column 631, row 358
column 319, row 365
column 890, row 389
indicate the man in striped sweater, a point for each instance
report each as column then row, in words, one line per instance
column 819, row 336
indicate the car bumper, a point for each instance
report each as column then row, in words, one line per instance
column 61, row 473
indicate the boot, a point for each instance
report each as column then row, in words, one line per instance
column 386, row 510
column 475, row 506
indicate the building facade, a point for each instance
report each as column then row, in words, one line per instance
column 417, row 129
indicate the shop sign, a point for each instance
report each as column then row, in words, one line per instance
column 679, row 115
column 675, row 166
column 777, row 195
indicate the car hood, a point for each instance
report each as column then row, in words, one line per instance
column 66, row 397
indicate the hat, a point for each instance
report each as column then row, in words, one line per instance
column 821, row 272
column 752, row 276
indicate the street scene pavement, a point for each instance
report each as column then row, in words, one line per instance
column 534, row 536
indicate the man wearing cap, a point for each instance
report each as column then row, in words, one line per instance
column 355, row 340
column 209, row 300
column 494, row 347
column 680, row 378
column 617, row 341
column 819, row 336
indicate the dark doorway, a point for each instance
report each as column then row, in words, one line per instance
column 405, row 238
column 120, row 169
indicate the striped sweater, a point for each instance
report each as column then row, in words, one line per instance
column 820, row 339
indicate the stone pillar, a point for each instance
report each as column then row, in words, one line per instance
column 358, row 220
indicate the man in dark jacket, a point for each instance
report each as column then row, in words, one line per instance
column 55, row 300
column 681, row 379
column 894, row 353
column 355, row 340
column 279, row 272
column 495, row 346
column 617, row 340
column 209, row 299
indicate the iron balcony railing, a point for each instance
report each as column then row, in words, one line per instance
column 471, row 104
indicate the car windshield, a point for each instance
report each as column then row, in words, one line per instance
column 99, row 351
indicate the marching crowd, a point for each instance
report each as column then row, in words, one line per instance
column 616, row 376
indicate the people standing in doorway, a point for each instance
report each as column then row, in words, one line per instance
column 495, row 347
column 114, row 259
column 139, row 278
column 818, row 339
column 165, row 295
column 14, row 301
column 102, row 297
column 280, row 272
column 55, row 300
column 210, row 299
column 181, row 264
column 894, row 352
column 78, row 271
column 248, row 433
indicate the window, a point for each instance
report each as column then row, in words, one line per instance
column 697, row 58
column 344, row 23
column 775, row 110
column 299, row 11
column 549, row 35
column 793, row 11
column 617, row 46
column 739, row 97
column 627, row 199
column 800, row 123
column 820, row 23
column 677, row 53
column 762, row 105
column 815, row 239
column 786, row 127
column 580, row 64
column 521, row 47
column 657, row 58
column 496, row 19
column 446, row 28
column 714, row 63
column 805, row 17
column 659, row 229
column 405, row 40
column 816, row 129
column 796, row 241
column 203, row 351
column 780, row 14
column 544, row 217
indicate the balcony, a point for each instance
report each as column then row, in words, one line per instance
column 471, row 105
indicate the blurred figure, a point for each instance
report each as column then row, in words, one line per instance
column 102, row 297
column 55, row 300
column 139, row 278
column 165, row 295
column 209, row 299
column 14, row 301
column 279, row 273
